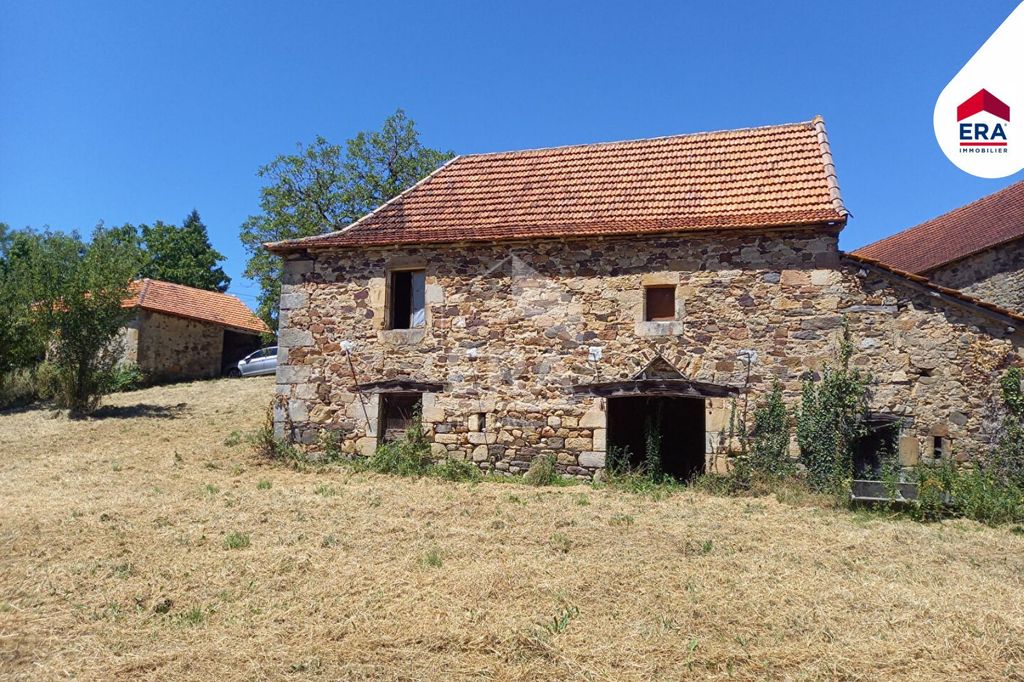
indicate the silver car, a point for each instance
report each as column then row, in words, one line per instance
column 263, row 361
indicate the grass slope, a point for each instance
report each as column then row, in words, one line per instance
column 148, row 544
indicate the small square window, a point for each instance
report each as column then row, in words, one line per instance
column 660, row 304
column 408, row 293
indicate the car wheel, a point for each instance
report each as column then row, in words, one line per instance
column 235, row 373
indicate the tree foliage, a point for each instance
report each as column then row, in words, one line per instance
column 21, row 342
column 182, row 255
column 829, row 421
column 70, row 297
column 324, row 187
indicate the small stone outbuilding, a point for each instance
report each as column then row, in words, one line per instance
column 977, row 249
column 558, row 301
column 183, row 333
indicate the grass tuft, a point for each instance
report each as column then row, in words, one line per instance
column 236, row 540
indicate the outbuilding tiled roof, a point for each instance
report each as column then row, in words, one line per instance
column 988, row 222
column 752, row 178
column 196, row 304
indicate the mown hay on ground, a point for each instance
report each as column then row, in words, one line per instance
column 148, row 543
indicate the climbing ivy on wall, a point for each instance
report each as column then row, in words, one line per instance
column 769, row 443
column 1008, row 458
column 829, row 420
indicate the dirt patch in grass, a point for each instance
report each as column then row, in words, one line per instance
column 148, row 544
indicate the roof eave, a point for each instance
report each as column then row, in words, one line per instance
column 836, row 223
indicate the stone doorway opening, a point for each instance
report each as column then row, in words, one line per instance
column 671, row 429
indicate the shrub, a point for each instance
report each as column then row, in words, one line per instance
column 542, row 471
column 409, row 456
column 330, row 446
column 123, row 377
column 828, row 422
column 769, row 445
column 457, row 470
column 19, row 387
column 267, row 445
column 944, row 489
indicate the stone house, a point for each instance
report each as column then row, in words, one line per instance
column 977, row 248
column 183, row 333
column 560, row 301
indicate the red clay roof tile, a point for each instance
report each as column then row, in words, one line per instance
column 756, row 177
column 990, row 221
column 196, row 304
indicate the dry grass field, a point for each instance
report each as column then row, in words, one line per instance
column 149, row 544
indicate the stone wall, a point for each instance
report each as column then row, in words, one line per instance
column 996, row 275
column 126, row 343
column 171, row 347
column 510, row 327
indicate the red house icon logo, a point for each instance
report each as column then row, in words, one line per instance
column 989, row 131
column 983, row 100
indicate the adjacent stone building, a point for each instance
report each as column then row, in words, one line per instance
column 183, row 333
column 977, row 249
column 561, row 301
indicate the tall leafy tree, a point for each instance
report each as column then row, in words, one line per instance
column 20, row 346
column 75, row 292
column 324, row 187
column 183, row 255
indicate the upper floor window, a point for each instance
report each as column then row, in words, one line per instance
column 407, row 304
column 659, row 303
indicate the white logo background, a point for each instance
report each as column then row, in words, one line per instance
column 995, row 67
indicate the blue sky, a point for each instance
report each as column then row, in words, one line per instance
column 139, row 111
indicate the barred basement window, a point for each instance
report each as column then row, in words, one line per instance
column 659, row 304
column 407, row 298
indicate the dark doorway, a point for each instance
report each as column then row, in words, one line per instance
column 236, row 346
column 873, row 447
column 673, row 427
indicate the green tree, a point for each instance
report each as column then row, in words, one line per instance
column 76, row 292
column 324, row 187
column 182, row 255
column 21, row 342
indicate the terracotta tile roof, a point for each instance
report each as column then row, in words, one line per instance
column 956, row 294
column 983, row 224
column 195, row 304
column 756, row 177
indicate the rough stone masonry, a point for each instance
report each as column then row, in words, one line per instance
column 511, row 327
